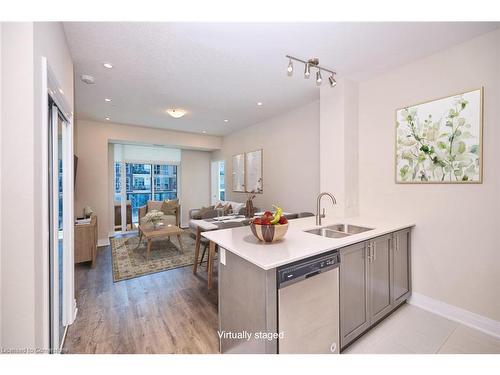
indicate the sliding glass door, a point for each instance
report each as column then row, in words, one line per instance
column 143, row 182
column 60, row 222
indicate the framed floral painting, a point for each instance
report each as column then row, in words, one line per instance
column 440, row 141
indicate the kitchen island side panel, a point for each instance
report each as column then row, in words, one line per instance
column 247, row 305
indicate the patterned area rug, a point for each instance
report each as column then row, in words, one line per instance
column 130, row 261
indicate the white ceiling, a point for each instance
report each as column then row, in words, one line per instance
column 220, row 71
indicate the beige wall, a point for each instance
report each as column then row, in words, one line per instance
column 291, row 158
column 92, row 180
column 194, row 181
column 23, row 45
column 456, row 251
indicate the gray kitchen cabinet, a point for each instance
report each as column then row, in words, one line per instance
column 354, row 318
column 401, row 267
column 379, row 279
column 374, row 280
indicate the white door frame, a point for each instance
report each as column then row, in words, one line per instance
column 50, row 87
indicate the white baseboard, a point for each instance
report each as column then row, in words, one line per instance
column 103, row 242
column 457, row 314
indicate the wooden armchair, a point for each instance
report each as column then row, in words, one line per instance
column 156, row 205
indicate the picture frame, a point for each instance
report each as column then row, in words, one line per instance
column 440, row 141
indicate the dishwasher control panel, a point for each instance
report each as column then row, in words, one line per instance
column 306, row 268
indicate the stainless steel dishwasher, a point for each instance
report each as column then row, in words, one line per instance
column 308, row 305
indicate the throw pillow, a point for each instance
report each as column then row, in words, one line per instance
column 237, row 207
column 169, row 206
column 197, row 215
column 227, row 209
column 154, row 205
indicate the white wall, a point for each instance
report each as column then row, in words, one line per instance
column 194, row 182
column 456, row 251
column 92, row 186
column 290, row 144
column 23, row 45
column 339, row 146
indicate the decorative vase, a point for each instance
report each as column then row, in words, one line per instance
column 249, row 208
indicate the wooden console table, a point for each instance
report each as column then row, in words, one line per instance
column 86, row 241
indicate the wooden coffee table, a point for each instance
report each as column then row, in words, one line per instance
column 149, row 233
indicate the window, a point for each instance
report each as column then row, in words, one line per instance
column 144, row 181
column 222, row 182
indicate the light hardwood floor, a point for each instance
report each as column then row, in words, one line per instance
column 166, row 312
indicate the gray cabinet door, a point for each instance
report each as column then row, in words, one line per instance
column 401, row 284
column 380, row 277
column 354, row 318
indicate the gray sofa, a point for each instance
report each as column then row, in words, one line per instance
column 195, row 214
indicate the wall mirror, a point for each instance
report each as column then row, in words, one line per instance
column 239, row 173
column 253, row 162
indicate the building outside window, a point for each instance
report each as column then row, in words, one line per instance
column 143, row 181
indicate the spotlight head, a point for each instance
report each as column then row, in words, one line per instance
column 318, row 78
column 289, row 70
column 332, row 81
column 307, row 71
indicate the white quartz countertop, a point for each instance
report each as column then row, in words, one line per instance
column 297, row 244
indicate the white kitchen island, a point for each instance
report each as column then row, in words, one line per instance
column 248, row 296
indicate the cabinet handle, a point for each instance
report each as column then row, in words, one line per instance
column 397, row 243
column 369, row 251
column 374, row 251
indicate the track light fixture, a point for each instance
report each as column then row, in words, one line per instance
column 312, row 63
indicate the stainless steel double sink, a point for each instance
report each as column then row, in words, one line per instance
column 338, row 230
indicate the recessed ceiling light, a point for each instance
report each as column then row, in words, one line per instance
column 204, row 131
column 226, row 120
column 107, row 65
column 107, row 99
column 61, row 91
column 259, row 103
column 107, row 118
column 176, row 112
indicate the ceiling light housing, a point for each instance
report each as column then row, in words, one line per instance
column 307, row 71
column 259, row 103
column 107, row 118
column 108, row 65
column 289, row 69
column 107, row 100
column 319, row 79
column 176, row 112
column 332, row 80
